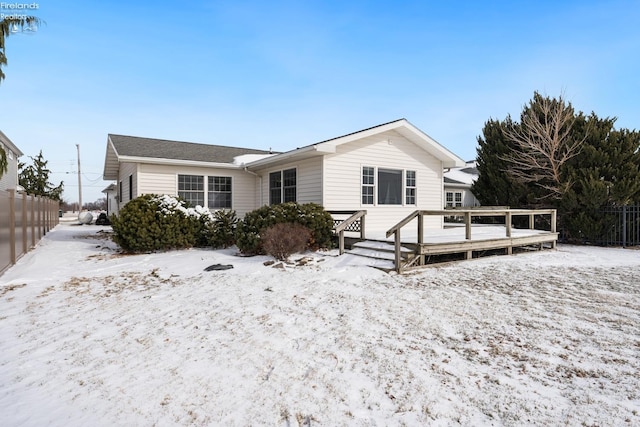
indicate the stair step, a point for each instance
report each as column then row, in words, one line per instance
column 371, row 253
column 380, row 246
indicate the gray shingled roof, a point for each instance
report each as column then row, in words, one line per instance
column 134, row 146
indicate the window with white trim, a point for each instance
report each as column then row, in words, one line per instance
column 219, row 192
column 191, row 189
column 389, row 186
column 453, row 199
column 410, row 188
column 384, row 186
column 283, row 186
column 368, row 185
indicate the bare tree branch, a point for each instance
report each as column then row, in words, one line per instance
column 543, row 143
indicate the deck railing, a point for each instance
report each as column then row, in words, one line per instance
column 508, row 214
column 354, row 223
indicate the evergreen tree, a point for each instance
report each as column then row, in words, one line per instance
column 494, row 186
column 35, row 179
column 606, row 173
column 592, row 166
column 4, row 164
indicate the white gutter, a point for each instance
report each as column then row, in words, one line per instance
column 173, row 162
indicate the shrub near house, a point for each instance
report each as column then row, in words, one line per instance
column 155, row 223
column 152, row 223
column 310, row 215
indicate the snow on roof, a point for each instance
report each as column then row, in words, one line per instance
column 248, row 158
column 464, row 175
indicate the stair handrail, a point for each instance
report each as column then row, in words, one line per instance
column 397, row 243
column 358, row 215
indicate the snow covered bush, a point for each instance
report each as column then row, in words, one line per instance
column 283, row 239
column 309, row 215
column 152, row 223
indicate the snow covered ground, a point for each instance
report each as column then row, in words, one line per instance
column 89, row 337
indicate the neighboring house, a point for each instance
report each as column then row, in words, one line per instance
column 111, row 194
column 9, row 180
column 457, row 186
column 389, row 170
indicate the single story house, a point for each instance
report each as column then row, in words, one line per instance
column 9, row 180
column 389, row 170
column 457, row 186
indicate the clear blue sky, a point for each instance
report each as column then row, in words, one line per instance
column 283, row 74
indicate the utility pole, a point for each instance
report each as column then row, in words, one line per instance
column 79, row 182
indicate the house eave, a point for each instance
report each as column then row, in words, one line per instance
column 176, row 162
column 298, row 154
column 112, row 173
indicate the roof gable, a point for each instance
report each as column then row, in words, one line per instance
column 136, row 149
column 401, row 126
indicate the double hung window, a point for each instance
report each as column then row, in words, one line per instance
column 218, row 194
column 283, row 186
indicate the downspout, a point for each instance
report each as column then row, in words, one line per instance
column 260, row 178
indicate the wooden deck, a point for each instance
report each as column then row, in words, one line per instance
column 461, row 239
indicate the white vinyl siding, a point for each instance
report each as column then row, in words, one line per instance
column 128, row 182
column 163, row 179
column 343, row 178
column 308, row 181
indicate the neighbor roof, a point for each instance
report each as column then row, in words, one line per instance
column 465, row 176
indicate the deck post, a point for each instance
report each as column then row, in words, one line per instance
column 532, row 224
column 362, row 227
column 341, row 241
column 507, row 222
column 12, row 225
column 553, row 227
column 467, row 225
column 398, row 258
column 420, row 236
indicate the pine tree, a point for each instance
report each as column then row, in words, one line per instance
column 590, row 166
column 606, row 173
column 35, row 179
column 4, row 164
column 494, row 185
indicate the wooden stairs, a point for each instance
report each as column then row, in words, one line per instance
column 379, row 254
